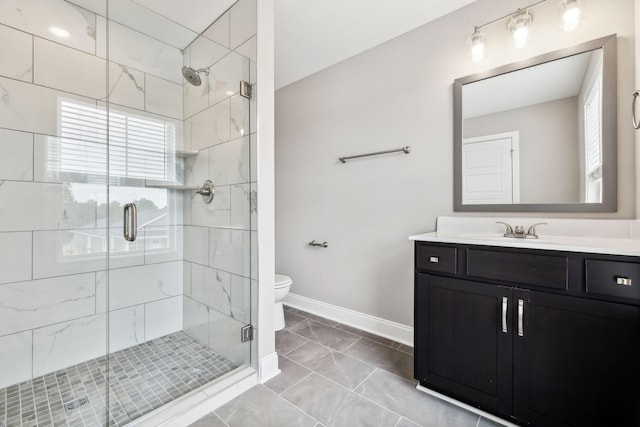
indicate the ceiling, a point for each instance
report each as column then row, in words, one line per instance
column 312, row 35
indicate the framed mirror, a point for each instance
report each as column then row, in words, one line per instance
column 539, row 135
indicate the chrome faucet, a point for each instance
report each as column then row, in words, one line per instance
column 518, row 232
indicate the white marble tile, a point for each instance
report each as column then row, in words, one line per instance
column 240, row 114
column 135, row 15
column 144, row 284
column 56, row 253
column 253, row 112
column 16, row 54
column 163, row 97
column 242, row 22
column 101, row 35
column 186, row 278
column 211, row 287
column 65, row 344
column 231, row 250
column 223, row 338
column 215, row 214
column 196, row 170
column 63, row 68
column 16, row 155
column 144, row 53
column 37, row 16
column 230, row 162
column 196, row 320
column 15, row 253
column 101, row 292
column 126, row 328
column 250, row 50
column 203, row 53
column 163, row 317
column 42, row 206
column 36, row 303
column 241, row 298
column 219, row 30
column 241, row 206
column 15, row 358
column 126, row 86
column 196, row 244
column 225, row 76
column 196, row 98
column 32, row 108
column 211, row 126
column 91, row 155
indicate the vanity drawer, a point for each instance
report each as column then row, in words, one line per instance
column 613, row 278
column 436, row 258
column 527, row 269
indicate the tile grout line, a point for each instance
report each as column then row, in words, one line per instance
column 364, row 380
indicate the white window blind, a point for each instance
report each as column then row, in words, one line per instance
column 138, row 145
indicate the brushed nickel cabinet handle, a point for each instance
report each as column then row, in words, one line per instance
column 624, row 281
column 520, row 318
column 434, row 259
column 505, row 302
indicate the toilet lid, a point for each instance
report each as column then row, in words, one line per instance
column 282, row 280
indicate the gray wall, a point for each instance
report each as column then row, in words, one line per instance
column 549, row 148
column 396, row 94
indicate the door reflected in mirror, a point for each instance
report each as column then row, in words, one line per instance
column 539, row 135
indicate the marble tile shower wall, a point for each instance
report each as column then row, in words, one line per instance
column 220, row 238
column 53, row 283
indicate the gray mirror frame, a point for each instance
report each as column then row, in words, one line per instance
column 609, row 131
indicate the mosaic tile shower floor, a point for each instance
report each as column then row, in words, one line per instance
column 142, row 378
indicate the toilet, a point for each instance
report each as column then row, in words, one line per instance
column 282, row 285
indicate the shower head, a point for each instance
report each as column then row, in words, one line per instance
column 193, row 76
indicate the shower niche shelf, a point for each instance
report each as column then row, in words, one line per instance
column 169, row 185
column 184, row 154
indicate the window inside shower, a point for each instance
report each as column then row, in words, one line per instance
column 97, row 328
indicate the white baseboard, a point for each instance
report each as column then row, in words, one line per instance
column 469, row 408
column 268, row 367
column 376, row 325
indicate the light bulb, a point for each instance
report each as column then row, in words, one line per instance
column 571, row 14
column 519, row 27
column 478, row 46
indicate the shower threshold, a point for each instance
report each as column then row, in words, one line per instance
column 142, row 379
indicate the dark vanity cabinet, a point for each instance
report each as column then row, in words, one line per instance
column 540, row 338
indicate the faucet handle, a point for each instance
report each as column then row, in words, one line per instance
column 508, row 229
column 532, row 230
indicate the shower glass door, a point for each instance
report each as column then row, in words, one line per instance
column 179, row 262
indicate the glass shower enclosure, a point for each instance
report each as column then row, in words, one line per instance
column 127, row 202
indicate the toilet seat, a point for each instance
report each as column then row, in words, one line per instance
column 281, row 281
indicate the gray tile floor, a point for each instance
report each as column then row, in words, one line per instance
column 142, row 378
column 335, row 375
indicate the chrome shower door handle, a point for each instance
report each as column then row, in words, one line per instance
column 636, row 124
column 505, row 302
column 130, row 222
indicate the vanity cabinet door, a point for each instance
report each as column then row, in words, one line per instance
column 461, row 347
column 576, row 362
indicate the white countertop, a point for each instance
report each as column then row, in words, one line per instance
column 616, row 237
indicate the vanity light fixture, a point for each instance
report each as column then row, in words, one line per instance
column 519, row 25
column 478, row 46
column 571, row 14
